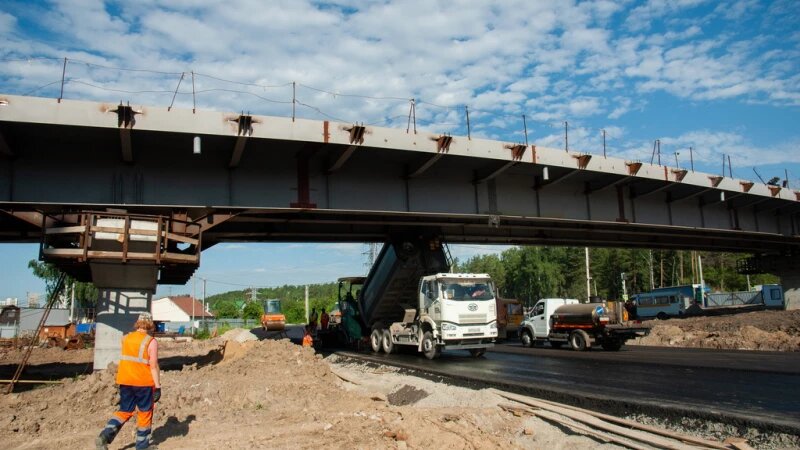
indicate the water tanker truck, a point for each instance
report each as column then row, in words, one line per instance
column 582, row 325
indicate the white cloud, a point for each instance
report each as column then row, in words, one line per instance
column 7, row 22
column 552, row 61
column 640, row 17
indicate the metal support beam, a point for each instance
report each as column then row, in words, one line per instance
column 653, row 191
column 426, row 165
column 125, row 143
column 34, row 218
column 238, row 151
column 564, row 177
column 688, row 196
column 303, row 183
column 4, row 148
column 346, row 154
column 608, row 185
column 497, row 172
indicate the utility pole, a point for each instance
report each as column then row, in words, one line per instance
column 204, row 297
column 604, row 143
column 307, row 313
column 624, row 288
column 702, row 281
column 566, row 136
column 588, row 276
column 72, row 304
column 652, row 282
column 194, row 296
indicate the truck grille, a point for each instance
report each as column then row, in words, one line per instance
column 471, row 318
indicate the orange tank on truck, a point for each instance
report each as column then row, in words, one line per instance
column 559, row 321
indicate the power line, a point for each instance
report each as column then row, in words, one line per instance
column 353, row 95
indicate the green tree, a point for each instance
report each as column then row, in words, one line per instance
column 85, row 293
column 252, row 310
column 225, row 309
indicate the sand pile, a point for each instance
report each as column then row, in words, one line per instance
column 238, row 335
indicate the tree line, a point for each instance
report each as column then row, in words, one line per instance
column 531, row 273
column 525, row 273
column 239, row 304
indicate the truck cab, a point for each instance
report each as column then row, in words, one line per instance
column 536, row 327
column 460, row 311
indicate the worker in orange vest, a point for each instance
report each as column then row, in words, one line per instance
column 139, row 383
column 324, row 319
column 308, row 341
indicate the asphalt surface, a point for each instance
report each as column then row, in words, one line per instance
column 760, row 389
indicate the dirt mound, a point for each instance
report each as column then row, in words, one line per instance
column 262, row 394
column 760, row 330
column 239, row 335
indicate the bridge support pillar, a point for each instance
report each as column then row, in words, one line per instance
column 117, row 313
column 790, row 281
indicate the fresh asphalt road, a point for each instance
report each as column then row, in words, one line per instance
column 746, row 386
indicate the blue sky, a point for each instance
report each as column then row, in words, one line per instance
column 720, row 76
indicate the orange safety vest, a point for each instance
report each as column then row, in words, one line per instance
column 308, row 341
column 134, row 364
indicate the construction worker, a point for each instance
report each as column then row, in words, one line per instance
column 308, row 341
column 324, row 319
column 139, row 385
column 312, row 319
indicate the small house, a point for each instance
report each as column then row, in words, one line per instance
column 179, row 310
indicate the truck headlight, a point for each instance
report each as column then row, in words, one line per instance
column 448, row 327
column 493, row 326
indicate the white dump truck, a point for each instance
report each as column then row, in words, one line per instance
column 582, row 325
column 401, row 303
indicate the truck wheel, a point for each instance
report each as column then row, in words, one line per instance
column 556, row 344
column 579, row 340
column 429, row 347
column 375, row 339
column 526, row 338
column 611, row 345
column 662, row 316
column 477, row 352
column 386, row 342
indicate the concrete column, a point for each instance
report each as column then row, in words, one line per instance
column 790, row 281
column 117, row 313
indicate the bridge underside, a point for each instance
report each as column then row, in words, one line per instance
column 268, row 179
column 295, row 225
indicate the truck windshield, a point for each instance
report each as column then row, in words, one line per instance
column 466, row 290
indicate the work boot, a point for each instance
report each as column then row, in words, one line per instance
column 101, row 443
